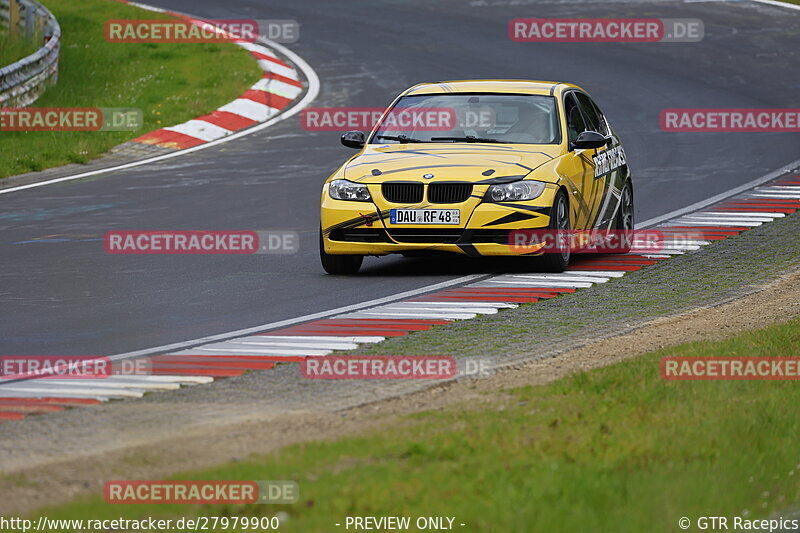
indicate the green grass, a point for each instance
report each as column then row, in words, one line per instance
column 613, row 449
column 171, row 83
column 12, row 49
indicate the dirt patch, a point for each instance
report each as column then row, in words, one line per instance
column 66, row 479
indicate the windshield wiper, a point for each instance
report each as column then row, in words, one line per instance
column 401, row 138
column 468, row 139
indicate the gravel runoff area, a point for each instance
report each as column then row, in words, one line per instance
column 747, row 281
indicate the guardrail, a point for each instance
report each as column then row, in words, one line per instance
column 21, row 83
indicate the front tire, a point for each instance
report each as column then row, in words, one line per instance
column 557, row 254
column 343, row 265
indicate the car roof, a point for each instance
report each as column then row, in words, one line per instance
column 490, row 86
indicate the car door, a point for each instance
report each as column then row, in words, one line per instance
column 579, row 167
column 610, row 167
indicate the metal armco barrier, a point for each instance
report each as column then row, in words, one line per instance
column 21, row 83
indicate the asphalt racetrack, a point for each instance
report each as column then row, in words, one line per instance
column 61, row 293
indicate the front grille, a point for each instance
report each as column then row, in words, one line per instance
column 449, row 193
column 360, row 235
column 443, row 235
column 402, row 193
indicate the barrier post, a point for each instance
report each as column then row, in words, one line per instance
column 13, row 18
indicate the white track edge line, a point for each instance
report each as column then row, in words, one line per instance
column 778, row 4
column 291, row 321
column 305, row 318
column 721, row 196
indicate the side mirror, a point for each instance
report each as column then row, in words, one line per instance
column 354, row 139
column 588, row 140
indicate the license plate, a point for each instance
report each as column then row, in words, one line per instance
column 425, row 216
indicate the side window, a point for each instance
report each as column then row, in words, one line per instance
column 595, row 121
column 605, row 129
column 575, row 122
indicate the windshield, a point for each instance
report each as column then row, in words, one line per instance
column 446, row 118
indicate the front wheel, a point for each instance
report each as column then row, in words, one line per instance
column 557, row 253
column 339, row 264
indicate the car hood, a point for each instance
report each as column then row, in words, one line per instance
column 448, row 162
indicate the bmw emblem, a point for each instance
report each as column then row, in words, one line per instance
column 427, row 176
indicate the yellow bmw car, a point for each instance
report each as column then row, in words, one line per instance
column 476, row 168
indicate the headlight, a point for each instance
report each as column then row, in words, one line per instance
column 518, row 190
column 347, row 190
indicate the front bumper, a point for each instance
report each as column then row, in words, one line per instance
column 486, row 229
